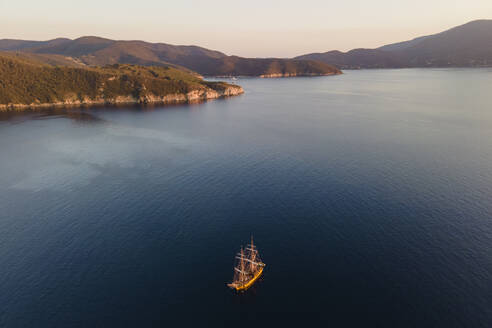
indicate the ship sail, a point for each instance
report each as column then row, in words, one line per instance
column 248, row 268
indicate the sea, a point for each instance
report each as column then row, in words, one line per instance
column 368, row 195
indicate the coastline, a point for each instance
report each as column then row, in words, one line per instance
column 190, row 97
column 274, row 75
column 280, row 75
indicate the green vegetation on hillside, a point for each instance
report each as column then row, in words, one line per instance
column 24, row 81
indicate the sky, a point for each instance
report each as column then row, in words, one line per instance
column 250, row 28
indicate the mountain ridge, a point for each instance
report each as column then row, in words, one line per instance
column 467, row 45
column 96, row 51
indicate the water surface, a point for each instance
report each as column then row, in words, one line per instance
column 368, row 195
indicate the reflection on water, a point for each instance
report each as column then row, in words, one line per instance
column 86, row 114
column 77, row 115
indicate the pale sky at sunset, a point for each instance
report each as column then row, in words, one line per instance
column 250, row 28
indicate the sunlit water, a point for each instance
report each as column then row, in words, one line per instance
column 368, row 194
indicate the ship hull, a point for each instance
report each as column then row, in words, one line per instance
column 251, row 282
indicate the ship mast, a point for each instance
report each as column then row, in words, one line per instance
column 253, row 251
column 242, row 273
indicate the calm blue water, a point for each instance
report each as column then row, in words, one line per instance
column 368, row 195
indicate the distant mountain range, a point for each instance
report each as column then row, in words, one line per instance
column 468, row 45
column 97, row 51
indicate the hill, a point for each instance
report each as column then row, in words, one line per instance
column 468, row 45
column 99, row 51
column 358, row 58
column 25, row 83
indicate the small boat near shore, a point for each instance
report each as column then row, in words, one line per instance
column 248, row 268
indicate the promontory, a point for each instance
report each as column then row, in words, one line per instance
column 28, row 83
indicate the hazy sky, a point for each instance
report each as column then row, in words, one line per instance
column 251, row 28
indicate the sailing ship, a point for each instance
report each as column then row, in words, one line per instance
column 248, row 268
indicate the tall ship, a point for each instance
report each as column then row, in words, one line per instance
column 248, row 268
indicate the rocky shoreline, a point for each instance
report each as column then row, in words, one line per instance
column 190, row 97
column 276, row 75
